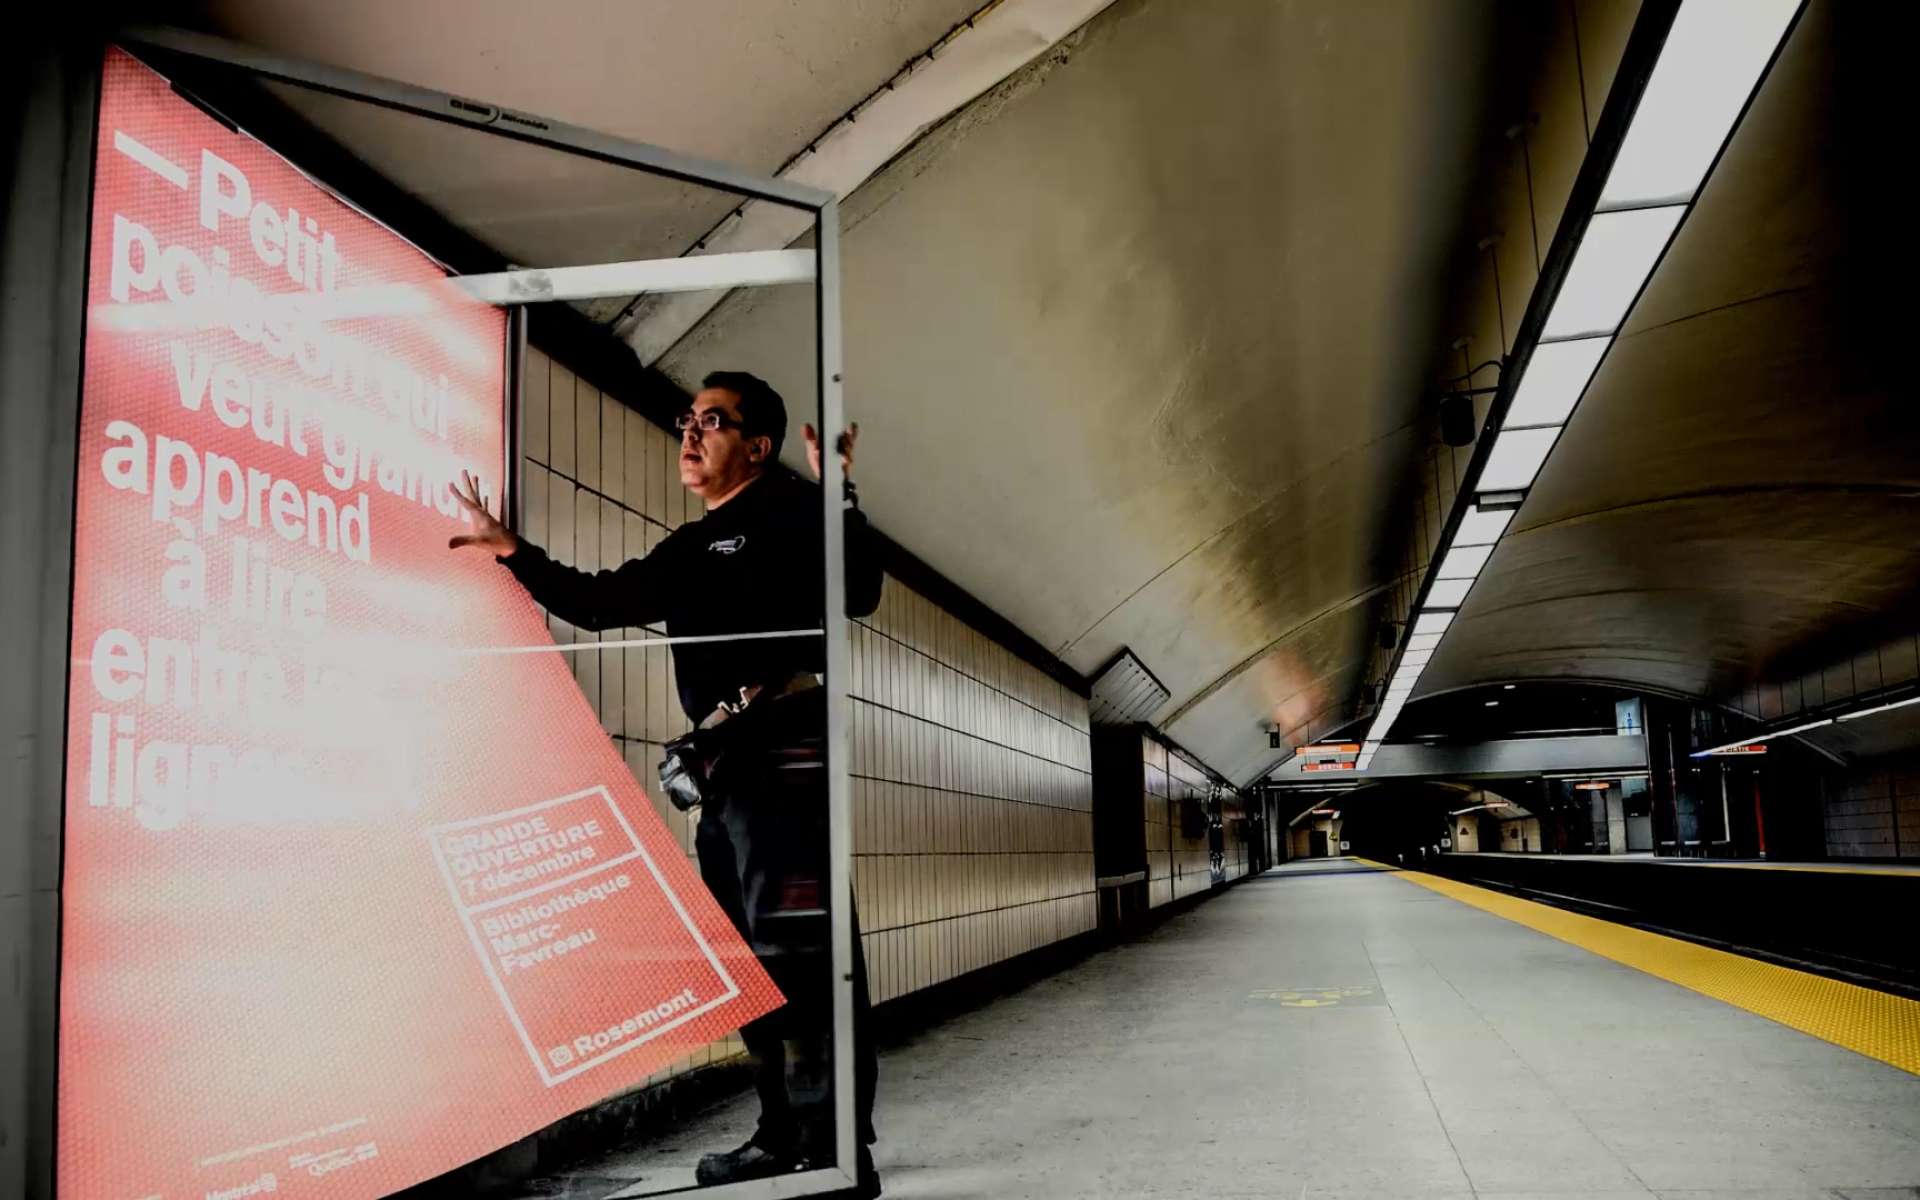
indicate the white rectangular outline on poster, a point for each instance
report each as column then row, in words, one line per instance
column 493, row 977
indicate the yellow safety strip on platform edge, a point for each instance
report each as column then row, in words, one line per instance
column 1876, row 1024
column 1804, row 868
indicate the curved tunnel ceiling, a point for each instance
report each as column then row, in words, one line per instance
column 1136, row 341
column 1739, row 492
column 747, row 82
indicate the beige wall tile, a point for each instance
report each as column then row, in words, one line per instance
column 533, row 503
column 533, row 406
column 561, row 445
column 633, row 451
column 586, row 557
column 586, row 433
column 612, row 446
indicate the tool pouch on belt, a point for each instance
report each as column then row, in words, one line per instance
column 686, row 770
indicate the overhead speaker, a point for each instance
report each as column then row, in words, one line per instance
column 1456, row 419
column 1387, row 636
column 1369, row 694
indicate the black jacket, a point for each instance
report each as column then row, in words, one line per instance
column 752, row 565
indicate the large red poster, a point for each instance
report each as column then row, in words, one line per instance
column 350, row 897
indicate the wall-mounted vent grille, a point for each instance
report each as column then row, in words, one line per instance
column 1125, row 692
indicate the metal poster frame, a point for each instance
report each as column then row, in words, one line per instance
column 688, row 272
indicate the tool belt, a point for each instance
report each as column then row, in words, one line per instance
column 690, row 760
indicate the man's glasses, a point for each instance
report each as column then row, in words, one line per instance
column 709, row 420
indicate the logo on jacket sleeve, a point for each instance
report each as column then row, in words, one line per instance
column 728, row 545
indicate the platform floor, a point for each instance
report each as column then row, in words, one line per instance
column 1332, row 1031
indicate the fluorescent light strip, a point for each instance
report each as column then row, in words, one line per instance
column 1481, row 527
column 1556, row 376
column 1615, row 257
column 1765, row 737
column 1462, row 562
column 1867, row 712
column 1517, row 457
column 1713, row 57
column 1448, row 593
column 1596, row 775
column 1432, row 622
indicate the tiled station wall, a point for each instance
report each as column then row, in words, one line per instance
column 1873, row 810
column 1177, row 865
column 972, row 800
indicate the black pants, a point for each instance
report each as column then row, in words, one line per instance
column 792, row 1073
column 762, row 846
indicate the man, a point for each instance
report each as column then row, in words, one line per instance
column 752, row 564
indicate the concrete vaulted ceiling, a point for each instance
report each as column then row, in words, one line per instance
column 1136, row 342
column 1738, row 496
column 1138, row 339
column 1135, row 339
column 748, row 82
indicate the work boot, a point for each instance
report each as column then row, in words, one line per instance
column 749, row 1161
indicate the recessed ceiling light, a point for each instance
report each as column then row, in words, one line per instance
column 1714, row 54
column 1556, row 376
column 1493, row 704
column 1448, row 593
column 1516, row 458
column 1509, row 687
column 1481, row 527
column 1616, row 254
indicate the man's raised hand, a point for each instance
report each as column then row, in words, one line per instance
column 847, row 440
column 488, row 533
